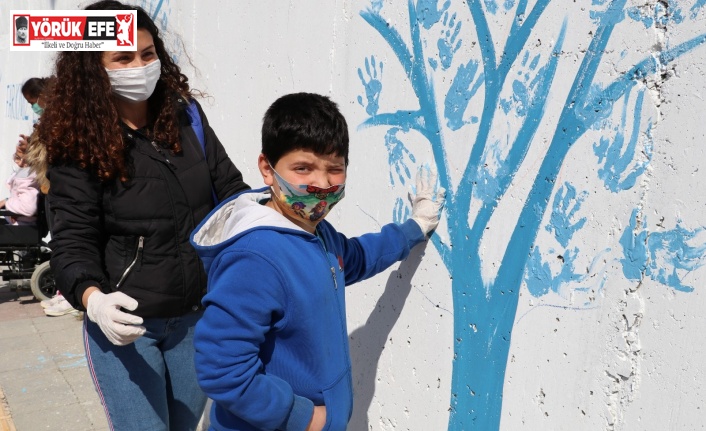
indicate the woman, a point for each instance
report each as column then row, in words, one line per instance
column 129, row 182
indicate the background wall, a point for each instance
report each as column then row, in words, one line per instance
column 564, row 287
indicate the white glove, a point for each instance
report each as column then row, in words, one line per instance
column 428, row 202
column 118, row 326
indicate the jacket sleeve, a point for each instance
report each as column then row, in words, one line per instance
column 372, row 253
column 77, row 232
column 240, row 311
column 225, row 177
column 23, row 196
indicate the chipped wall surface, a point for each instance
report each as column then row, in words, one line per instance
column 563, row 288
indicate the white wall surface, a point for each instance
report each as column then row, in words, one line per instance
column 602, row 338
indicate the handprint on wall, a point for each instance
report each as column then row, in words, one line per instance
column 666, row 257
column 398, row 154
column 449, row 42
column 371, row 84
column 620, row 167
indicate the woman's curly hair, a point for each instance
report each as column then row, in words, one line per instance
column 81, row 125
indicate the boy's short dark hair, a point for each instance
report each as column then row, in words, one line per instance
column 304, row 121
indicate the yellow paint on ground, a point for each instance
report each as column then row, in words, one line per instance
column 6, row 423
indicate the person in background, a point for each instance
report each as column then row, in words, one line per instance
column 130, row 180
column 272, row 347
column 23, row 189
column 32, row 90
column 34, row 154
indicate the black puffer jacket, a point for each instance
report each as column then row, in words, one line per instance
column 134, row 236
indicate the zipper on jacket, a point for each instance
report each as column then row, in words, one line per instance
column 138, row 254
column 159, row 150
column 328, row 259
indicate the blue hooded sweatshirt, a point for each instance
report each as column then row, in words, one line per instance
column 273, row 341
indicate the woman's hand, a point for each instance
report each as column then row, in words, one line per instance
column 318, row 419
column 119, row 327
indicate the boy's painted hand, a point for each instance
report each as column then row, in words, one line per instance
column 427, row 200
column 119, row 327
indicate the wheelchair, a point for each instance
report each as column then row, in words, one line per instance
column 25, row 255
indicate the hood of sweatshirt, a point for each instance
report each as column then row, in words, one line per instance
column 234, row 217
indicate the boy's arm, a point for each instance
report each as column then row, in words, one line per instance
column 246, row 300
column 370, row 254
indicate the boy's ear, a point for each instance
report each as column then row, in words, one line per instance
column 265, row 170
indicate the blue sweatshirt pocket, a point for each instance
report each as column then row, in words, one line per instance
column 338, row 399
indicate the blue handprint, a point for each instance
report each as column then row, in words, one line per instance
column 666, row 257
column 621, row 168
column 447, row 43
column 523, row 87
column 566, row 204
column 428, row 14
column 373, row 86
column 460, row 94
column 397, row 151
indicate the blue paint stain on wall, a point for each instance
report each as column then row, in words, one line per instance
column 696, row 8
column 16, row 106
column 159, row 11
column 666, row 257
column 516, row 82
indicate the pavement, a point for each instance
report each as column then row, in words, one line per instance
column 44, row 378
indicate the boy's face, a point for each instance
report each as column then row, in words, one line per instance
column 305, row 167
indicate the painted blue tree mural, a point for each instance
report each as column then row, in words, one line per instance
column 513, row 84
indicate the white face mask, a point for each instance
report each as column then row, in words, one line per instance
column 135, row 84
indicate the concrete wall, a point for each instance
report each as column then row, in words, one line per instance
column 563, row 289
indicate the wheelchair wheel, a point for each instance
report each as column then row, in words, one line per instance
column 42, row 282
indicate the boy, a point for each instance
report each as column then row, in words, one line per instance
column 272, row 346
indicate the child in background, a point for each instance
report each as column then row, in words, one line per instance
column 23, row 192
column 272, row 346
